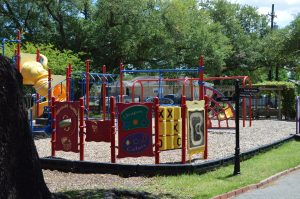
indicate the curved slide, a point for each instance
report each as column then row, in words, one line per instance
column 222, row 111
column 35, row 73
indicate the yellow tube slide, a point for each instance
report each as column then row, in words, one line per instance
column 35, row 73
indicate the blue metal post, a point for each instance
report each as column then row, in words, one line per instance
column 31, row 122
column 160, row 90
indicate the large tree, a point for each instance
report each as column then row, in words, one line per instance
column 292, row 46
column 157, row 34
column 235, row 39
column 20, row 171
column 245, row 28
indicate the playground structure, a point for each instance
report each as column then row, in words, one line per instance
column 132, row 122
column 134, row 126
column 218, row 111
column 16, row 57
column 176, row 127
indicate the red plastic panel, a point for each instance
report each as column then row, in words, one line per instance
column 98, row 131
column 67, row 114
column 135, row 130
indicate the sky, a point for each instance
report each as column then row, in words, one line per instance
column 285, row 10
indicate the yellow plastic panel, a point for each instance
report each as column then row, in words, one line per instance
column 199, row 105
column 169, row 112
column 169, row 127
column 177, row 112
column 166, row 142
column 170, row 142
column 177, row 141
column 162, row 114
column 163, row 143
column 162, row 128
column 177, row 127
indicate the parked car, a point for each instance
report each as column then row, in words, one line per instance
column 174, row 97
column 161, row 100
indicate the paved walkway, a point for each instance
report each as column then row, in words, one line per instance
column 286, row 187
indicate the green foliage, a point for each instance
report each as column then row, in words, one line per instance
column 57, row 60
column 289, row 103
column 288, row 96
column 288, row 85
column 292, row 46
column 245, row 29
column 144, row 34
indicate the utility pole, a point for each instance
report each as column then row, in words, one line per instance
column 272, row 17
column 272, row 27
column 276, row 66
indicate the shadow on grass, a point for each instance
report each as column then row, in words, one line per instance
column 111, row 194
column 227, row 177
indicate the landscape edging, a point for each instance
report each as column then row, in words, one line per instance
column 126, row 170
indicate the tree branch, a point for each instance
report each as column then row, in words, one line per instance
column 11, row 14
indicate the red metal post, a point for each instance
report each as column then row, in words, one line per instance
column 104, row 92
column 183, row 88
column 206, row 126
column 132, row 90
column 49, row 88
column 87, row 86
column 192, row 90
column 156, row 123
column 121, row 82
column 81, row 129
column 38, row 58
column 183, row 116
column 250, row 100
column 19, row 50
column 201, row 77
column 113, row 130
column 70, row 75
column 38, row 55
column 142, row 92
column 53, row 126
column 67, row 84
column 244, row 110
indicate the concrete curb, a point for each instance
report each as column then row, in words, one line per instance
column 255, row 186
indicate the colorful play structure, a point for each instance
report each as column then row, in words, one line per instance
column 182, row 126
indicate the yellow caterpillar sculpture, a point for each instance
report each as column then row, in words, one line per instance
column 35, row 73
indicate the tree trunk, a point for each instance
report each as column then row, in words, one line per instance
column 20, row 171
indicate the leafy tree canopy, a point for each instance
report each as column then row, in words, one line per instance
column 235, row 39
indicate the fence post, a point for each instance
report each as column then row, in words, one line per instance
column 206, row 126
column 53, row 125
column 81, row 129
column 103, row 92
column 113, row 130
column 183, row 116
column 156, row 123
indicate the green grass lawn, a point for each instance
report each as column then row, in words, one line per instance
column 219, row 181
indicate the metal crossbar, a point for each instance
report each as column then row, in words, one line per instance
column 164, row 70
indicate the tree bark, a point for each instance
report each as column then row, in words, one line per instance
column 20, row 171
